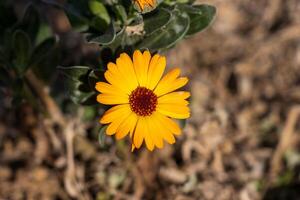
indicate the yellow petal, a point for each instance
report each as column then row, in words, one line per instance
column 115, row 112
column 147, row 58
column 170, row 76
column 155, row 132
column 112, row 67
column 129, row 66
column 165, row 83
column 125, row 68
column 171, row 86
column 115, row 73
column 143, row 3
column 138, row 135
column 151, row 2
column 148, row 135
column 126, row 126
column 114, row 125
column 140, row 67
column 174, row 111
column 156, row 69
column 179, row 102
column 172, row 97
column 117, row 81
column 111, row 99
column 169, row 137
column 132, row 147
column 177, row 98
column 169, row 124
column 109, row 89
column 162, row 132
column 165, row 133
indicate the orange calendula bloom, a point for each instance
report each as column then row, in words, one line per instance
column 142, row 4
column 144, row 101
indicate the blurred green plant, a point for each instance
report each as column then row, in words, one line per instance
column 22, row 48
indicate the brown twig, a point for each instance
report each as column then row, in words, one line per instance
column 56, row 142
column 43, row 93
column 286, row 140
column 70, row 179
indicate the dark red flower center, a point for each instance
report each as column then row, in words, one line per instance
column 143, row 101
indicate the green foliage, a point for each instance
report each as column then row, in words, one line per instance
column 285, row 178
column 78, row 84
column 107, row 38
column 98, row 9
column 169, row 34
column 30, row 22
column 116, row 26
column 19, row 50
column 200, row 17
column 101, row 135
column 22, row 50
column 41, row 51
column 160, row 29
column 155, row 21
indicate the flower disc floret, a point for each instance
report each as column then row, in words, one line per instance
column 143, row 101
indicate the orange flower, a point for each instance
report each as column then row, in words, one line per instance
column 142, row 4
column 144, row 101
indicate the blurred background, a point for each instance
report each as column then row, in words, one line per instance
column 242, row 141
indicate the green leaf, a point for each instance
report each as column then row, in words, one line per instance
column 77, row 11
column 99, row 10
column 156, row 20
column 285, row 178
column 75, row 73
column 94, row 77
column 169, row 34
column 121, row 12
column 183, row 1
column 98, row 24
column 118, row 41
column 89, row 113
column 201, row 16
column 41, row 51
column 174, row 2
column 182, row 123
column 7, row 43
column 77, row 84
column 107, row 38
column 31, row 22
column 45, row 68
column 43, row 33
column 101, row 136
column 22, row 50
column 135, row 19
column 91, row 100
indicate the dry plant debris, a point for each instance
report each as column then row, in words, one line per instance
column 242, row 141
